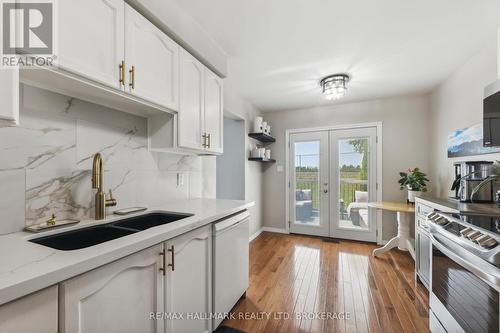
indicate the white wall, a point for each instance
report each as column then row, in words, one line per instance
column 236, row 106
column 231, row 164
column 405, row 144
column 458, row 103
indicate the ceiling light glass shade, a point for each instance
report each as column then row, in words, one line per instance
column 334, row 86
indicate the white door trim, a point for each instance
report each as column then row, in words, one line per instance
column 379, row 127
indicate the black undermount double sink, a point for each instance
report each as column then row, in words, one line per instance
column 85, row 237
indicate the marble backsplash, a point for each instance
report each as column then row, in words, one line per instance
column 45, row 162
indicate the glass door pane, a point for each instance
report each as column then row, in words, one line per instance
column 353, row 175
column 353, row 171
column 309, row 183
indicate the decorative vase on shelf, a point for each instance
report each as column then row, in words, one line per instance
column 412, row 195
column 257, row 127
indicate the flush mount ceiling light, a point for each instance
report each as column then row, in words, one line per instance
column 334, row 86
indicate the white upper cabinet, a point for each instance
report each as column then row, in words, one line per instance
column 152, row 61
column 188, row 283
column 116, row 298
column 213, row 112
column 91, row 39
column 191, row 113
column 200, row 110
column 9, row 97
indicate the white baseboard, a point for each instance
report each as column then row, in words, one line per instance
column 255, row 235
column 268, row 229
column 276, row 230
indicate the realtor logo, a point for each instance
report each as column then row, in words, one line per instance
column 27, row 28
column 28, row 33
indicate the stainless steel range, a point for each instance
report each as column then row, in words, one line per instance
column 465, row 273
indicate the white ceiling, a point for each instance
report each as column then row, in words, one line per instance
column 279, row 49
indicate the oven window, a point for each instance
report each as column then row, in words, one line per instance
column 471, row 301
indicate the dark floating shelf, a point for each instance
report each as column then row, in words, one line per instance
column 260, row 159
column 262, row 137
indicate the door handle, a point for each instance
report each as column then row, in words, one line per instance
column 162, row 269
column 204, row 140
column 132, row 77
column 209, row 137
column 325, row 191
column 122, row 73
column 172, row 251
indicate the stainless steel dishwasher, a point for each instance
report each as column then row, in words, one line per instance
column 231, row 261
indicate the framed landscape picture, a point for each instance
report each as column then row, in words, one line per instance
column 467, row 142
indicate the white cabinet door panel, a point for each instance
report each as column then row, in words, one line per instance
column 213, row 111
column 9, row 97
column 191, row 113
column 33, row 313
column 91, row 38
column 116, row 298
column 156, row 60
column 189, row 285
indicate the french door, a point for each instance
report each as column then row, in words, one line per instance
column 332, row 179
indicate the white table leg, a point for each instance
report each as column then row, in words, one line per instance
column 402, row 240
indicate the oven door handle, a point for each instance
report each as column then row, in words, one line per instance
column 483, row 273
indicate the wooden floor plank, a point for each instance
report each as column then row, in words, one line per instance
column 292, row 274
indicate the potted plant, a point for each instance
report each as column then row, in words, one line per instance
column 415, row 181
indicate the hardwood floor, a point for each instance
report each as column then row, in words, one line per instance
column 291, row 274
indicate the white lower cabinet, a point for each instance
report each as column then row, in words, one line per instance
column 117, row 298
column 33, row 313
column 124, row 296
column 188, row 283
column 164, row 289
column 423, row 257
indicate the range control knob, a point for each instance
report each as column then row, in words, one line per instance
column 488, row 243
column 441, row 220
column 481, row 239
column 466, row 231
column 432, row 215
column 473, row 235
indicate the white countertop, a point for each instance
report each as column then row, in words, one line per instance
column 26, row 267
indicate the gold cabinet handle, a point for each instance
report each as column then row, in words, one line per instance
column 204, row 140
column 132, row 77
column 122, row 73
column 162, row 269
column 172, row 251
